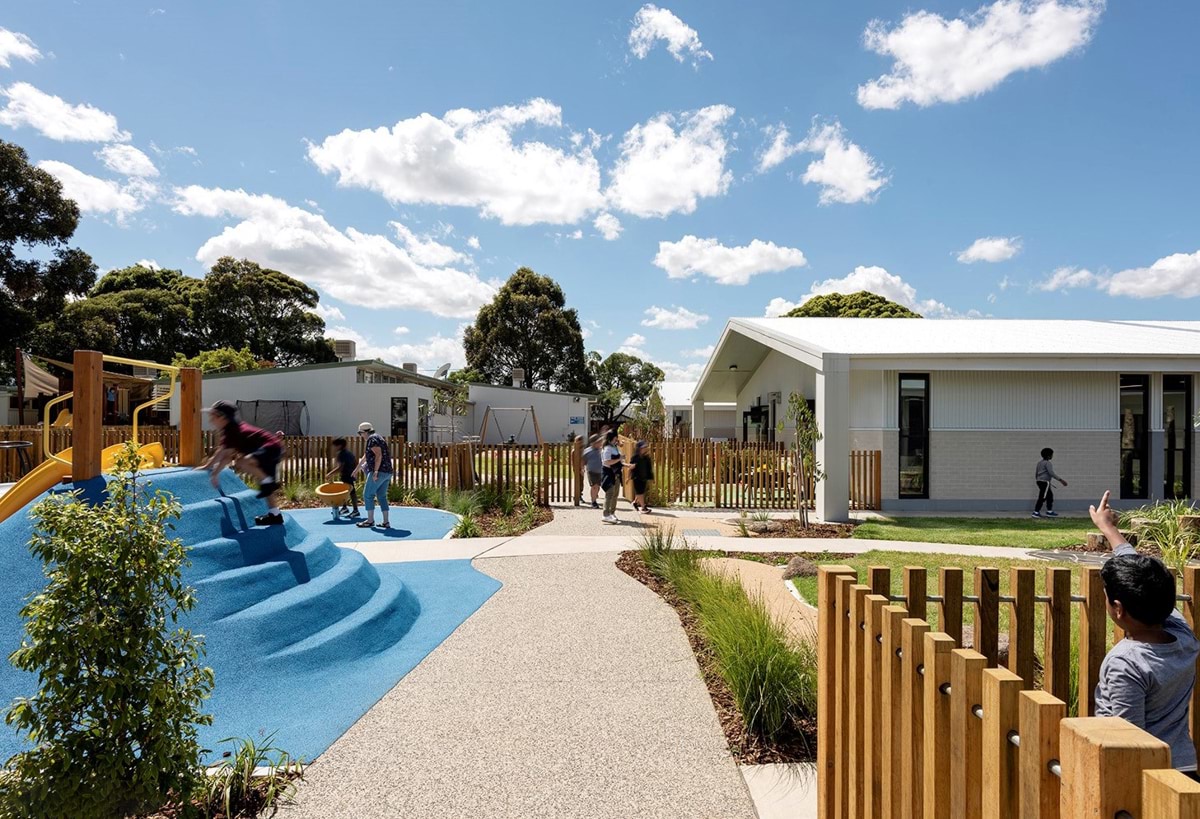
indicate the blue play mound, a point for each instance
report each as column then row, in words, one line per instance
column 408, row 523
column 302, row 635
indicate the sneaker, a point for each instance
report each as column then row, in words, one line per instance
column 1036, row 515
column 646, row 510
column 268, row 488
column 1052, row 514
column 610, row 519
column 595, row 505
column 345, row 510
column 269, row 520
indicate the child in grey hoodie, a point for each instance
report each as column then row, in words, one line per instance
column 1043, row 475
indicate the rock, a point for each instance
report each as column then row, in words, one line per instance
column 799, row 567
column 756, row 526
column 968, row 641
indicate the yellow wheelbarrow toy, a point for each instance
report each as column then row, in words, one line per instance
column 335, row 494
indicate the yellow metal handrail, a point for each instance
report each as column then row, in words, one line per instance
column 133, row 362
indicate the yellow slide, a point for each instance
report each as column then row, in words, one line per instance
column 49, row 473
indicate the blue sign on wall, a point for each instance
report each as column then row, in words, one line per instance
column 577, row 419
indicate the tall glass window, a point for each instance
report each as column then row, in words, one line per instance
column 914, row 435
column 1177, row 432
column 400, row 417
column 1135, row 450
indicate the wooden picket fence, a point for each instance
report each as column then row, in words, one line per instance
column 913, row 725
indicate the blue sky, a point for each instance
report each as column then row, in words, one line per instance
column 751, row 154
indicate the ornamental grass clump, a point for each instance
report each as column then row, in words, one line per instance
column 112, row 728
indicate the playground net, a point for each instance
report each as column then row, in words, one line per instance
column 290, row 417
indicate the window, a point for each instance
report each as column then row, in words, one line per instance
column 400, row 417
column 1177, row 434
column 1135, row 452
column 914, row 435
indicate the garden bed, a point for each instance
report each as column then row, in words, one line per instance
column 790, row 527
column 797, row 746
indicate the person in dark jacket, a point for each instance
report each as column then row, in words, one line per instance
column 643, row 473
column 250, row 449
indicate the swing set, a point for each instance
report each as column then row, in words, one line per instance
column 527, row 414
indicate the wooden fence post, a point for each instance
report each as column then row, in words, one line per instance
column 841, row 738
column 1191, row 611
column 829, row 681
column 1000, row 717
column 191, row 403
column 966, row 731
column 916, row 590
column 912, row 746
column 87, row 415
column 950, row 584
column 937, row 726
column 1093, row 625
column 1102, row 763
column 1056, row 658
column 1169, row 795
column 1039, row 716
column 872, row 782
column 857, row 698
column 1020, row 625
column 577, row 471
column 890, row 702
column 544, row 481
column 987, row 613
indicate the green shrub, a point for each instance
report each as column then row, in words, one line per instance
column 467, row 526
column 397, row 493
column 253, row 779
column 1159, row 526
column 462, row 503
column 427, row 495
column 298, row 492
column 506, row 503
column 773, row 678
column 114, row 723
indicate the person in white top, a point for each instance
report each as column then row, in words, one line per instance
column 613, row 462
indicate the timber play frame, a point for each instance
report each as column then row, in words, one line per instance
column 912, row 725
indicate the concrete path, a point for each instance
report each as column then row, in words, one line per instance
column 572, row 692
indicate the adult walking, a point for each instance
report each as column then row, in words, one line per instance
column 377, row 466
column 593, row 464
column 613, row 475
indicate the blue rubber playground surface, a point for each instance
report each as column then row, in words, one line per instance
column 408, row 523
column 303, row 636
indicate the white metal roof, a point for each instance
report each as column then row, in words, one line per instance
column 981, row 337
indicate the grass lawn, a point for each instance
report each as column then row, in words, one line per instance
column 1028, row 533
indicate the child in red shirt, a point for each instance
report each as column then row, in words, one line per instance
column 249, row 449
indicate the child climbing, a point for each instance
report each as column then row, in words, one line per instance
column 249, row 449
column 346, row 465
column 1044, row 475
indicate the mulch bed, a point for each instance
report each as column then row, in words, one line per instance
column 791, row 527
column 496, row 524
column 746, row 749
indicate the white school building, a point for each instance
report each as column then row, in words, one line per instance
column 960, row 409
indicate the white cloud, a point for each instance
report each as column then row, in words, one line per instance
column 681, row 372
column 16, row 46
column 701, row 352
column 428, row 356
column 678, row 318
column 56, row 118
column 652, row 24
column 401, row 331
column 939, row 60
column 780, row 148
column 875, row 280
column 728, row 265
column 358, row 268
column 469, row 158
column 663, row 171
column 608, row 225
column 126, row 160
column 427, row 251
column 1070, row 278
column 779, row 306
column 473, row 242
column 576, row 234
column 991, row 249
column 1176, row 275
column 96, row 195
column 329, row 312
column 150, row 263
column 845, row 172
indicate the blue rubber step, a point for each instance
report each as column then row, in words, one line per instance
column 238, row 589
column 228, row 515
column 298, row 612
column 247, row 548
column 377, row 625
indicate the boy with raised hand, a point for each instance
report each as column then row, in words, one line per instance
column 249, row 449
column 1147, row 678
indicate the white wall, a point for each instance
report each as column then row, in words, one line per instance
column 777, row 373
column 555, row 412
column 1023, row 400
column 336, row 402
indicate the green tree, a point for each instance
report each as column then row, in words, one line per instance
column 243, row 304
column 466, row 376
column 804, row 450
column 113, row 726
column 863, row 304
column 145, row 324
column 222, row 359
column 528, row 326
column 622, row 380
column 38, row 270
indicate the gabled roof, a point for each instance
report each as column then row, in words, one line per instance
column 366, row 364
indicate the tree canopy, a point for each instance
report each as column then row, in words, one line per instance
column 222, row 359
column 622, row 380
column 528, row 326
column 36, row 283
column 157, row 314
column 863, row 304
